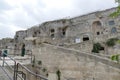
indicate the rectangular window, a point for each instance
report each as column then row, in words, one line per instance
column 111, row 22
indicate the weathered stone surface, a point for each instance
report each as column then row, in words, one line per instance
column 76, row 65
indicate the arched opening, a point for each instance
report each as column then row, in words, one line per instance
column 97, row 27
column 97, row 23
column 52, row 30
column 85, row 38
column 64, row 31
column 52, row 33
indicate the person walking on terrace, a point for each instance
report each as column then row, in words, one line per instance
column 23, row 50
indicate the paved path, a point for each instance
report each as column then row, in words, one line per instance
column 22, row 60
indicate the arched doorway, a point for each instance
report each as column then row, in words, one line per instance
column 96, row 27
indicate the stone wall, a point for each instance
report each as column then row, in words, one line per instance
column 96, row 26
column 75, row 65
column 85, row 46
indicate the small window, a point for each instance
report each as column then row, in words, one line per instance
column 111, row 22
column 52, row 30
column 63, row 32
column 85, row 38
column 98, row 33
column 35, row 33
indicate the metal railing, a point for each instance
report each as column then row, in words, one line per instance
column 30, row 72
column 16, row 72
column 13, row 69
column 27, row 52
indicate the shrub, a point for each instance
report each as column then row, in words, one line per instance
column 115, row 57
column 44, row 69
column 118, row 41
column 96, row 47
column 39, row 62
column 111, row 42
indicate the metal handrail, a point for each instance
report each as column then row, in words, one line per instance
column 20, row 50
column 32, row 73
column 16, row 71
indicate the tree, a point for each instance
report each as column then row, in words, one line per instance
column 117, row 12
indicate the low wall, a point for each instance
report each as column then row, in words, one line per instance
column 75, row 65
column 85, row 46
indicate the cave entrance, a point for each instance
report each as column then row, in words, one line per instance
column 85, row 38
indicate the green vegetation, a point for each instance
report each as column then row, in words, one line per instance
column 39, row 62
column 97, row 47
column 58, row 74
column 117, row 12
column 44, row 69
column 111, row 42
column 118, row 41
column 115, row 57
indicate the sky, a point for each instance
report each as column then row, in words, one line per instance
column 18, row 15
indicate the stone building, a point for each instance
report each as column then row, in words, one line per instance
column 93, row 27
column 96, row 26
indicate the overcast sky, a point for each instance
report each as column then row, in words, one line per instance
column 22, row 14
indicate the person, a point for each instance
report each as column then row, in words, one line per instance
column 5, row 52
column 23, row 50
column 0, row 53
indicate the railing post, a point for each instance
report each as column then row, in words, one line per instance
column 15, row 72
column 3, row 61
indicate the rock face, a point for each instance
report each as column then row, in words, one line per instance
column 78, row 33
column 96, row 27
